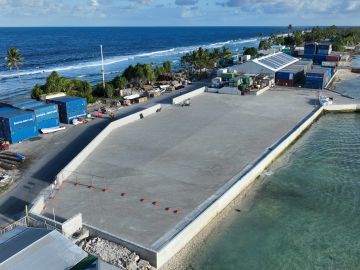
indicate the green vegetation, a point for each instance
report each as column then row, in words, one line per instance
column 251, row 51
column 55, row 83
column 264, row 45
column 136, row 75
column 139, row 73
column 120, row 82
column 338, row 36
column 204, row 58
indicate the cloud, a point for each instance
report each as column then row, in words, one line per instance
column 94, row 3
column 291, row 6
column 190, row 12
column 353, row 6
column 186, row 2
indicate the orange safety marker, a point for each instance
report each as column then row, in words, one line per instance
column 91, row 186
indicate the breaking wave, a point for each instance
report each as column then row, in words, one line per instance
column 118, row 59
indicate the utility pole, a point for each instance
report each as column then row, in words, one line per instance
column 102, row 67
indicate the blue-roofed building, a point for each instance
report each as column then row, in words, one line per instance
column 268, row 64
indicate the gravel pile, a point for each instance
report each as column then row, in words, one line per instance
column 114, row 254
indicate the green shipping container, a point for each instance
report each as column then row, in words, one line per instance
column 227, row 75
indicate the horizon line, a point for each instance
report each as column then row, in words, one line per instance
column 171, row 26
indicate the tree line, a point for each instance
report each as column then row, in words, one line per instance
column 338, row 36
column 204, row 58
column 134, row 76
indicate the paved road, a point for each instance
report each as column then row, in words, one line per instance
column 58, row 154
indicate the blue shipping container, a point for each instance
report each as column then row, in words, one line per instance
column 17, row 119
column 327, row 70
column 308, row 56
column 20, row 103
column 48, row 123
column 33, row 105
column 5, row 110
column 318, row 58
column 45, row 111
column 69, row 117
column 70, row 104
column 21, row 134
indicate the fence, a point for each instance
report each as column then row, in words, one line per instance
column 27, row 222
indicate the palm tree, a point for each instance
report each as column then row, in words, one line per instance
column 226, row 53
column 261, row 35
column 272, row 37
column 290, row 27
column 14, row 59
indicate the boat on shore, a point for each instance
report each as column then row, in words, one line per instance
column 51, row 130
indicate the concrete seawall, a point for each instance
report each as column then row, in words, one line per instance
column 342, row 108
column 191, row 94
column 67, row 171
column 228, row 193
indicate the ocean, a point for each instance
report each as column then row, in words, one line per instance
column 75, row 52
column 305, row 213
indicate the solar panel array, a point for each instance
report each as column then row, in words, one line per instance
column 276, row 61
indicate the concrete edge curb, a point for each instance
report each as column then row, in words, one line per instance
column 186, row 96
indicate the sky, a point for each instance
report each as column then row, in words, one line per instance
column 178, row 12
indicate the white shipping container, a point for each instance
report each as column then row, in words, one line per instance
column 221, row 71
column 329, row 64
column 247, row 57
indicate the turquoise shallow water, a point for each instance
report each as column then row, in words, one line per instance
column 305, row 215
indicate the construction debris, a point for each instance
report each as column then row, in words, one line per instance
column 114, row 254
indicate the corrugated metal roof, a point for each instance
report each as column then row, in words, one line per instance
column 41, row 249
column 276, row 61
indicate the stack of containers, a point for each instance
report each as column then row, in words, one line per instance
column 291, row 76
column 70, row 108
column 324, row 49
column 329, row 72
column 17, row 125
column 333, row 58
column 47, row 115
column 310, row 50
column 306, row 64
column 316, row 79
column 319, row 58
